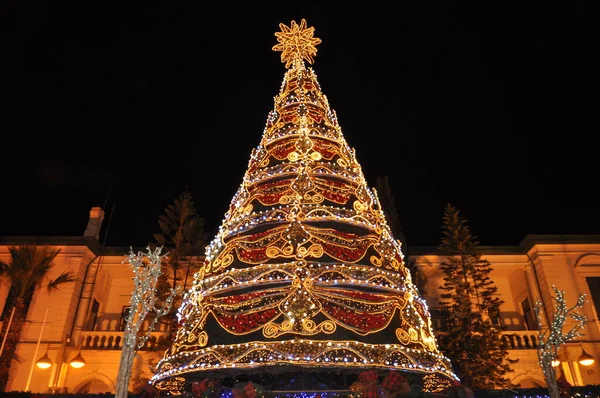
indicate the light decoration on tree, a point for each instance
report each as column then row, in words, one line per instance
column 304, row 271
column 146, row 269
column 552, row 337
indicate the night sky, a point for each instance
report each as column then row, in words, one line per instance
column 491, row 108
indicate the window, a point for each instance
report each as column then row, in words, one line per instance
column 93, row 316
column 439, row 319
column 530, row 320
column 594, row 286
column 124, row 314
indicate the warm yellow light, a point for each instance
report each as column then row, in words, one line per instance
column 555, row 362
column 44, row 362
column 78, row 361
column 585, row 359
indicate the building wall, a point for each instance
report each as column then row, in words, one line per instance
column 529, row 272
column 524, row 272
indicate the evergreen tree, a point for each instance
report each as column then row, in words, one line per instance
column 473, row 341
column 386, row 199
column 183, row 238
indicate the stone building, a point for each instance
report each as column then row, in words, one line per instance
column 86, row 317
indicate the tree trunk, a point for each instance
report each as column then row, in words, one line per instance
column 553, row 390
column 127, row 357
column 12, row 340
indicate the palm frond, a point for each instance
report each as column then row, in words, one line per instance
column 65, row 277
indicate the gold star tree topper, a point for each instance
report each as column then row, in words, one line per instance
column 296, row 43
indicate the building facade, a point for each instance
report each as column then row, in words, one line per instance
column 87, row 316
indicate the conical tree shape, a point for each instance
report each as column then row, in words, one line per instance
column 304, row 272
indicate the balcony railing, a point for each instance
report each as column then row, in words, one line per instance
column 102, row 340
column 516, row 339
column 113, row 340
column 521, row 339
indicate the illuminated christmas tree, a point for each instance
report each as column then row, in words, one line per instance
column 304, row 274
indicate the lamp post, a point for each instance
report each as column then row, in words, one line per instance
column 37, row 347
column 76, row 362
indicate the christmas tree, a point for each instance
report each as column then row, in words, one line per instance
column 304, row 274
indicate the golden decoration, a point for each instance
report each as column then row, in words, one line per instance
column 202, row 339
column 359, row 206
column 402, row 336
column 296, row 43
column 316, row 156
column 304, row 249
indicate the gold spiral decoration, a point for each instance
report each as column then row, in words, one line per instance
column 287, row 250
column 316, row 198
column 302, row 251
column 270, row 330
column 376, row 261
column 315, row 250
column 315, row 156
column 219, row 263
column 191, row 337
column 359, row 206
column 286, row 199
column 264, row 162
column 202, row 339
column 309, row 325
column 342, row 162
column 395, row 264
column 327, row 327
column 272, row 251
column 287, row 325
column 402, row 336
column 293, row 156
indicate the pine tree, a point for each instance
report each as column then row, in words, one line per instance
column 386, row 198
column 473, row 341
column 183, row 238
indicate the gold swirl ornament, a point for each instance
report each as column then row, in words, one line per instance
column 360, row 206
column 402, row 336
column 274, row 251
column 273, row 330
column 314, row 250
column 221, row 262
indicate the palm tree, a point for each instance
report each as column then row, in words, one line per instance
column 26, row 271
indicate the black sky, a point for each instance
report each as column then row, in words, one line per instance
column 492, row 108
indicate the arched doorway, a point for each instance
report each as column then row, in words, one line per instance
column 93, row 386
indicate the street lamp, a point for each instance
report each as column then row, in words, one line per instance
column 585, row 359
column 77, row 361
column 44, row 362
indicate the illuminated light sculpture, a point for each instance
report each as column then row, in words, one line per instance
column 304, row 272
